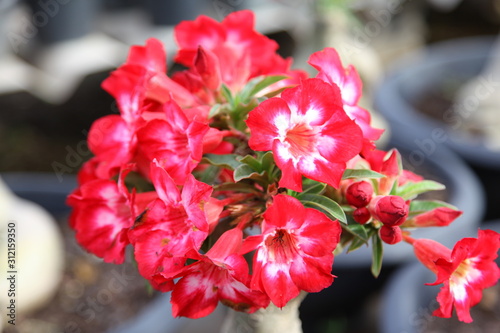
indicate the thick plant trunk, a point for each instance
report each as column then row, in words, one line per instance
column 269, row 320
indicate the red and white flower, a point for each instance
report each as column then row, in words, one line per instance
column 219, row 275
column 174, row 141
column 170, row 227
column 464, row 271
column 103, row 212
column 294, row 251
column 229, row 52
column 308, row 132
column 330, row 70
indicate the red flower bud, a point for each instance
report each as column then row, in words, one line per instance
column 361, row 215
column 391, row 210
column 390, row 235
column 359, row 194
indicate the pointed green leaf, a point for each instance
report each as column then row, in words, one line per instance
column 252, row 162
column 257, row 84
column 357, row 230
column 325, row 205
column 313, row 188
column 275, row 92
column 356, row 244
column 377, row 255
column 361, row 173
column 209, row 175
column 422, row 206
column 246, row 172
column 228, row 161
column 267, row 161
column 227, row 94
column 215, row 110
column 411, row 190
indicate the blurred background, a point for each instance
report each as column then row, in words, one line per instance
column 431, row 74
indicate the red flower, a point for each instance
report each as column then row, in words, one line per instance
column 113, row 142
column 464, row 272
column 241, row 50
column 229, row 52
column 219, row 275
column 294, row 251
column 171, row 226
column 103, row 212
column 143, row 81
column 330, row 70
column 175, row 142
column 308, row 132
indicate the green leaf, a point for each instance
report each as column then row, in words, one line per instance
column 215, row 110
column 246, row 172
column 227, row 94
column 325, row 205
column 356, row 244
column 251, row 162
column 313, row 188
column 228, row 161
column 267, row 161
column 257, row 84
column 422, row 206
column 377, row 255
column 357, row 230
column 209, row 175
column 361, row 173
column 275, row 92
column 411, row 190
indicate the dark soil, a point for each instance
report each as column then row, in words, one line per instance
column 436, row 104
column 93, row 296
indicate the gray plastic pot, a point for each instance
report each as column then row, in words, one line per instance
column 427, row 70
column 62, row 20
column 424, row 71
column 174, row 11
column 408, row 303
column 6, row 7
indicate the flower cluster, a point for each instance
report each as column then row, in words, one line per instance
column 236, row 179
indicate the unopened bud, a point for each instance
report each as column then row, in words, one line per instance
column 391, row 210
column 359, row 194
column 361, row 215
column 390, row 235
